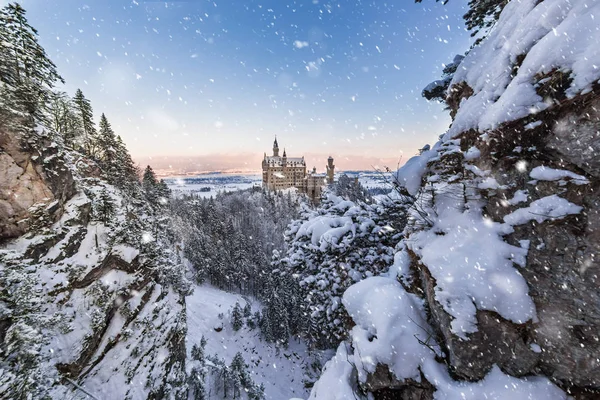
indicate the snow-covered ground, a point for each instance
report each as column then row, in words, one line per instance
column 282, row 371
column 207, row 185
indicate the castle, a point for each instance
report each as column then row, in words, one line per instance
column 283, row 172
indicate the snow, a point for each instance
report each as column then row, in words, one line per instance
column 411, row 173
column 390, row 327
column 126, row 253
column 207, row 185
column 546, row 208
column 550, row 174
column 473, row 269
column 281, row 371
column 495, row 386
column 554, row 35
column 401, row 266
column 325, row 230
column 532, row 125
column 520, row 196
column 489, row 183
column 336, row 380
column 535, row 347
column 160, row 317
column 472, row 154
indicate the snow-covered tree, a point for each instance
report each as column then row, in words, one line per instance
column 237, row 320
column 437, row 90
column 64, row 120
column 104, row 207
column 26, row 68
column 332, row 247
column 481, row 15
column 86, row 118
column 150, row 185
column 107, row 146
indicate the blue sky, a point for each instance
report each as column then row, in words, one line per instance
column 203, row 77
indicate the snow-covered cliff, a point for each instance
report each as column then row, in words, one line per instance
column 494, row 292
column 89, row 300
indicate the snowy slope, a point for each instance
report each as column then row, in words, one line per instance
column 102, row 319
column 282, row 371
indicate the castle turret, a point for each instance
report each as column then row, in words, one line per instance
column 275, row 148
column 330, row 170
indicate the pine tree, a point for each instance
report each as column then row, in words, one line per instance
column 196, row 383
column 482, row 14
column 127, row 174
column 105, row 208
column 64, row 120
column 25, row 65
column 237, row 320
column 198, row 373
column 247, row 310
column 323, row 271
column 163, row 192
column 107, row 146
column 150, row 184
column 198, row 350
column 86, row 116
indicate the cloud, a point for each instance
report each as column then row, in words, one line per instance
column 161, row 120
column 300, row 44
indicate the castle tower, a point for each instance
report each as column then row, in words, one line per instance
column 275, row 148
column 330, row 170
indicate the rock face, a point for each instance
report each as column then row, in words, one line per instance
column 503, row 244
column 562, row 268
column 26, row 182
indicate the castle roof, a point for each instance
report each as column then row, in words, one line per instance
column 277, row 161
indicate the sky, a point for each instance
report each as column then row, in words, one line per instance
column 190, row 81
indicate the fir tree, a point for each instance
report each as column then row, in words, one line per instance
column 198, row 350
column 163, row 192
column 237, row 320
column 25, row 65
column 86, row 117
column 482, row 14
column 324, row 271
column 107, row 146
column 150, row 185
column 198, row 374
column 127, row 174
column 240, row 378
column 196, row 383
column 105, row 208
column 257, row 392
column 64, row 120
column 247, row 310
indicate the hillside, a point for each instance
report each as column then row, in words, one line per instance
column 83, row 296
